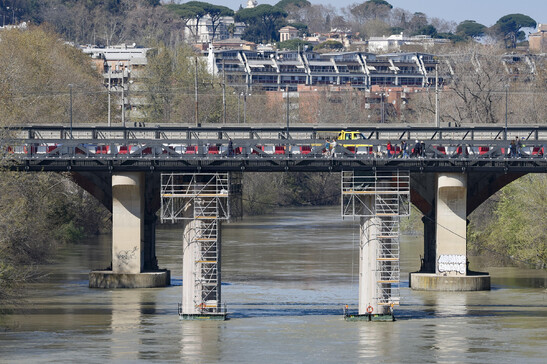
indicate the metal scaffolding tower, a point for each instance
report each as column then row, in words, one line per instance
column 382, row 197
column 201, row 201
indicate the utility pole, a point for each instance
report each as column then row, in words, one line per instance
column 70, row 85
column 109, row 90
column 123, row 97
column 245, row 108
column 437, row 120
column 223, row 90
column 196, row 90
column 382, row 105
column 288, row 107
column 238, row 113
column 506, row 96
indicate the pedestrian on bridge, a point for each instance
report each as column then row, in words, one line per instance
column 404, row 149
column 230, row 147
column 390, row 149
column 519, row 147
column 416, row 152
column 327, row 147
column 512, row 149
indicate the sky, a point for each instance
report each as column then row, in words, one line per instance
column 486, row 12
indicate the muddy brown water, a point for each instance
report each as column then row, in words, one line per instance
column 286, row 277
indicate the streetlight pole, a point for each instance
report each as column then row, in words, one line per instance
column 109, row 89
column 437, row 120
column 123, row 97
column 288, row 110
column 238, row 113
column 245, row 108
column 506, row 96
column 223, row 91
column 70, row 86
column 196, row 90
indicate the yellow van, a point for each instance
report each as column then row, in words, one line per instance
column 357, row 139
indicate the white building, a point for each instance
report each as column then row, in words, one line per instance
column 205, row 29
column 287, row 33
column 394, row 42
column 122, row 67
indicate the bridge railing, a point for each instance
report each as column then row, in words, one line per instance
column 265, row 148
column 169, row 142
column 169, row 132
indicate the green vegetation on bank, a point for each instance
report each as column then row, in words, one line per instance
column 263, row 192
column 41, row 211
column 514, row 223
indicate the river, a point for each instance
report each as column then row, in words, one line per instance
column 286, row 277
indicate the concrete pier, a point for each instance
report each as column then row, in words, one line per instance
column 189, row 272
column 133, row 237
column 445, row 239
column 368, row 247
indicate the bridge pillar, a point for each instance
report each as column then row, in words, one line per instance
column 450, row 242
column 368, row 253
column 133, row 236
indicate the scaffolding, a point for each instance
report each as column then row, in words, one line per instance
column 384, row 196
column 201, row 200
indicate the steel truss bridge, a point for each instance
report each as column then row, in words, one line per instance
column 229, row 148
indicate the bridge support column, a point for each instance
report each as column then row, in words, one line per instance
column 133, row 236
column 368, row 256
column 450, row 266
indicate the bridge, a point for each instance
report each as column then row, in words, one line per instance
column 190, row 174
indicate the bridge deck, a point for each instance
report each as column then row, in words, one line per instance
column 55, row 148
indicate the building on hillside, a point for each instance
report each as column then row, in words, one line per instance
column 395, row 42
column 287, row 33
column 343, row 36
column 285, row 70
column 538, row 41
column 227, row 28
column 122, row 67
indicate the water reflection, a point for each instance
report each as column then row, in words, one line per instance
column 377, row 341
column 200, row 341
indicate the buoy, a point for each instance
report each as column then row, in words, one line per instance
column 370, row 309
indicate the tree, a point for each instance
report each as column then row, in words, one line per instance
column 285, row 4
column 191, row 10
column 508, row 27
column 426, row 30
column 295, row 44
column 471, row 29
column 518, row 227
column 330, row 45
column 302, row 28
column 36, row 69
column 169, row 86
column 371, row 9
column 263, row 22
column 319, row 18
column 216, row 12
column 418, row 21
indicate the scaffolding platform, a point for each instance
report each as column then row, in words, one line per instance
column 384, row 196
column 200, row 200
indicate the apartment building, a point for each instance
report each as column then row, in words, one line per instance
column 538, row 41
column 122, row 67
column 285, row 70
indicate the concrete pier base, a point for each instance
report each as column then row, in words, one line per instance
column 436, row 282
column 109, row 279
